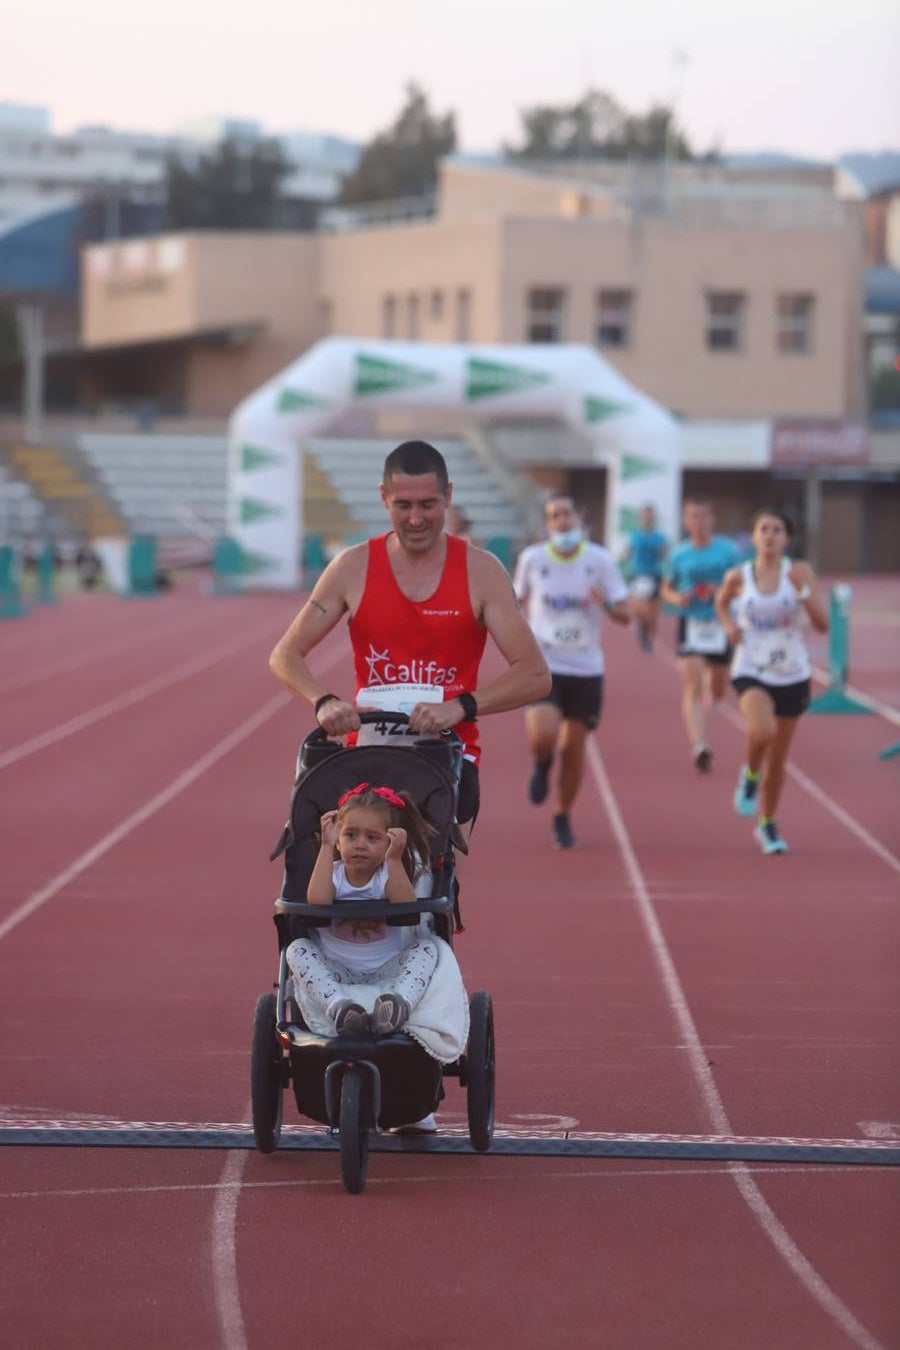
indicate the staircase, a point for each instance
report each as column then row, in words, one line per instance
column 324, row 512
column 61, row 478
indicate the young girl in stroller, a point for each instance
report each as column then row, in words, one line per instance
column 362, row 976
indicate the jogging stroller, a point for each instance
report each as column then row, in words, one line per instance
column 357, row 1084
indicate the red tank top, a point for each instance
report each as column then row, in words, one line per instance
column 437, row 641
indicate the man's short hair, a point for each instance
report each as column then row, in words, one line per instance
column 560, row 497
column 416, row 458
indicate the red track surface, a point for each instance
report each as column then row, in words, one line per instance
column 662, row 977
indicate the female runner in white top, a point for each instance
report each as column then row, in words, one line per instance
column 760, row 604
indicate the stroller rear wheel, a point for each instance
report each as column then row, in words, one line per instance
column 266, row 1078
column 354, row 1130
column 480, row 1071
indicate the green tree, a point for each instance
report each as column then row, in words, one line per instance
column 597, row 127
column 236, row 186
column 402, row 161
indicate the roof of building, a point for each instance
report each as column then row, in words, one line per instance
column 873, row 173
column 39, row 253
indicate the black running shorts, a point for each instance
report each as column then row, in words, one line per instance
column 469, row 793
column 714, row 658
column 790, row 700
column 578, row 697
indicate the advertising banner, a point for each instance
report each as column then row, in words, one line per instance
column 810, row 443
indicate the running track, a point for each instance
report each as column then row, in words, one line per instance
column 662, row 978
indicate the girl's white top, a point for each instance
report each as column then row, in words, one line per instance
column 772, row 649
column 361, row 944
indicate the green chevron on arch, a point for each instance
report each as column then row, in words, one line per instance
column 297, row 400
column 376, row 375
column 486, row 378
column 636, row 466
column 258, row 562
column 252, row 457
column 251, row 510
column 598, row 409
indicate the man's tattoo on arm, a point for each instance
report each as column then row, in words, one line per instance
column 321, row 608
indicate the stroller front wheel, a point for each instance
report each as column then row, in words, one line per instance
column 354, row 1130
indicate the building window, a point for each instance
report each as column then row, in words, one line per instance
column 389, row 317
column 614, row 318
column 437, row 306
column 795, row 323
column 725, row 320
column 544, row 322
column 412, row 316
column 463, row 316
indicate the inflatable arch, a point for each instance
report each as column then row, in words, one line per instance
column 633, row 436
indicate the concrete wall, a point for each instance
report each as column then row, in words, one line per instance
column 251, row 303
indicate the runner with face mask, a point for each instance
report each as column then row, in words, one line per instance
column 566, row 584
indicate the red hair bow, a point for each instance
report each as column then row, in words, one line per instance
column 387, row 793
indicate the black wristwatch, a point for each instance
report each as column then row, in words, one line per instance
column 320, row 702
column 469, row 705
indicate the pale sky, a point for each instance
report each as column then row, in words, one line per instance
column 809, row 77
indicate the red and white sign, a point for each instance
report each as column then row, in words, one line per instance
column 801, row 442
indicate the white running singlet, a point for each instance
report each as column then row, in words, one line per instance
column 563, row 616
column 772, row 649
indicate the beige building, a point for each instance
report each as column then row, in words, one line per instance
column 735, row 301
column 722, row 305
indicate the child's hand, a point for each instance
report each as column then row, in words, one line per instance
column 330, row 829
column 396, row 842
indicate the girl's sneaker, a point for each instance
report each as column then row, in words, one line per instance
column 388, row 1014
column 350, row 1019
column 770, row 841
column 745, row 794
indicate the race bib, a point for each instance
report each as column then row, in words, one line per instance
column 644, row 588
column 705, row 635
column 394, row 698
column 569, row 631
column 779, row 653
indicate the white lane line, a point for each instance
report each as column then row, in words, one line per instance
column 601, row 1172
column 143, row 813
column 136, row 695
column 875, row 705
column 817, row 793
column 224, row 1217
column 714, row 1107
column 226, row 1290
column 831, row 806
column 94, row 655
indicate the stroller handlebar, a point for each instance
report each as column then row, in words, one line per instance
column 368, row 909
column 318, row 735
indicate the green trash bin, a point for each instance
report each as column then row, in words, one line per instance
column 502, row 547
column 143, row 574
column 315, row 559
column 228, row 566
column 11, row 606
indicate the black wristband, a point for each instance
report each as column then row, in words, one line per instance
column 320, row 702
column 469, row 705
